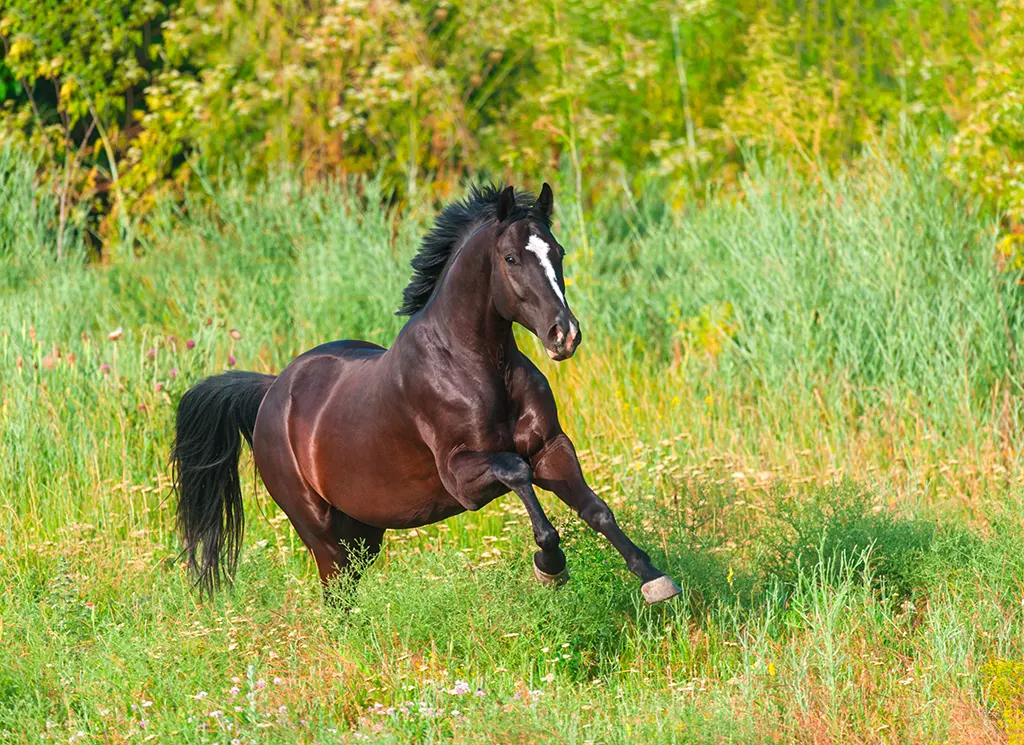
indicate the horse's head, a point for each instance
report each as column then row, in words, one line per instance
column 527, row 283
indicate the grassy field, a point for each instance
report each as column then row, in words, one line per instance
column 805, row 399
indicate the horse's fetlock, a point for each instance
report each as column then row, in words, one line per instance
column 548, row 540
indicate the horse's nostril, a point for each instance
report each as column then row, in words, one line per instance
column 556, row 336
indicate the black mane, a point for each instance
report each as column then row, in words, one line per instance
column 453, row 225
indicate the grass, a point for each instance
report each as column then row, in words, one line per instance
column 803, row 399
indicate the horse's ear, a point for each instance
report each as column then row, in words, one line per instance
column 506, row 203
column 545, row 202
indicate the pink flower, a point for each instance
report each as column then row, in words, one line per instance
column 151, row 353
column 235, row 334
column 231, row 360
column 159, row 386
column 105, row 369
column 190, row 344
column 260, row 684
column 173, row 372
column 461, row 688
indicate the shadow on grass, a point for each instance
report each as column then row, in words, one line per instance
column 824, row 535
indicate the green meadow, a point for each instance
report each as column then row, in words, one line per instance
column 802, row 395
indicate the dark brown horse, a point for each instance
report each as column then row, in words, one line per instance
column 353, row 439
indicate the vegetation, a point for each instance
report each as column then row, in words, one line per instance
column 121, row 100
column 804, row 396
column 796, row 249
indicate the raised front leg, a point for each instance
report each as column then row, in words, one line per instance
column 557, row 469
column 476, row 478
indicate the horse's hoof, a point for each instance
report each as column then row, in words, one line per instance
column 553, row 580
column 659, row 589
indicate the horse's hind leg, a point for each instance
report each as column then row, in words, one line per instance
column 339, row 543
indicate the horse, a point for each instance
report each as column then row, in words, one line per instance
column 352, row 439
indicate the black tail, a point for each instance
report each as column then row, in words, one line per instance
column 211, row 415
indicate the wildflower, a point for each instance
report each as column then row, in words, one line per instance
column 159, row 386
column 200, row 696
column 282, row 709
column 71, row 358
column 216, row 714
column 278, row 681
column 234, row 691
column 173, row 372
column 260, row 684
column 105, row 369
column 480, row 693
column 190, row 344
column 231, row 360
column 461, row 688
column 235, row 334
column 151, row 353
column 146, row 704
column 116, row 334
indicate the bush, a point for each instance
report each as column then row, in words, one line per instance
column 119, row 99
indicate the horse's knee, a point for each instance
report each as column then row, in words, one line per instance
column 512, row 470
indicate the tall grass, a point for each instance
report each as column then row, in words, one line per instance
column 804, row 399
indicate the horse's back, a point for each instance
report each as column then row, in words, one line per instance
column 346, row 349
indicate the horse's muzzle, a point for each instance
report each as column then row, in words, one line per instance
column 563, row 337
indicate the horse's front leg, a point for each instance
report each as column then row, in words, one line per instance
column 557, row 469
column 474, row 476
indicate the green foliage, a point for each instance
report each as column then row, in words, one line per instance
column 124, row 99
column 838, row 325
column 987, row 153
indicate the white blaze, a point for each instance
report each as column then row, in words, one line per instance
column 540, row 248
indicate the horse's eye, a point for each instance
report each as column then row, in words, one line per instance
column 510, row 259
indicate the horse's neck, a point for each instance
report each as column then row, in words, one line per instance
column 462, row 307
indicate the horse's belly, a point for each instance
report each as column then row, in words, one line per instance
column 387, row 492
